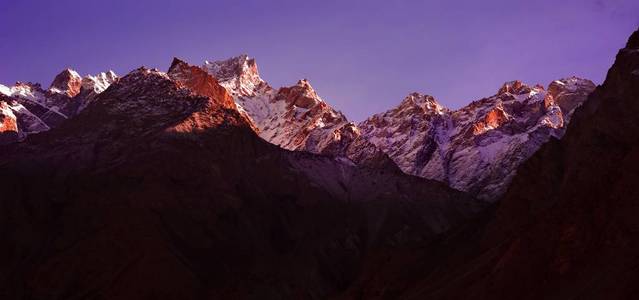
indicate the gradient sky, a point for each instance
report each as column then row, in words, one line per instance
column 362, row 57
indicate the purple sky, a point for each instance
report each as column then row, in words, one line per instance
column 362, row 57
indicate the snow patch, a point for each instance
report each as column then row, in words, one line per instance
column 5, row 90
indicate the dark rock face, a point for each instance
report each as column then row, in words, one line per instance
column 200, row 82
column 569, row 219
column 156, row 191
column 567, row 228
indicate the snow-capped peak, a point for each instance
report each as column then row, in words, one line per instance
column 300, row 95
column 67, row 82
column 293, row 117
column 307, row 90
column 232, row 67
column 239, row 75
column 99, row 82
column 426, row 103
column 514, row 87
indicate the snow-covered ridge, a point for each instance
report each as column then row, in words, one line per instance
column 24, row 90
column 476, row 148
column 286, row 116
column 38, row 110
column 99, row 82
column 293, row 117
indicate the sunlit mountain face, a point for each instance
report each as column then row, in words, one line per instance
column 311, row 168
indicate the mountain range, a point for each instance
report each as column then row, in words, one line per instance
column 475, row 149
column 206, row 182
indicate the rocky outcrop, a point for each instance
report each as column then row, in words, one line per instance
column 200, row 82
column 8, row 124
column 569, row 93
